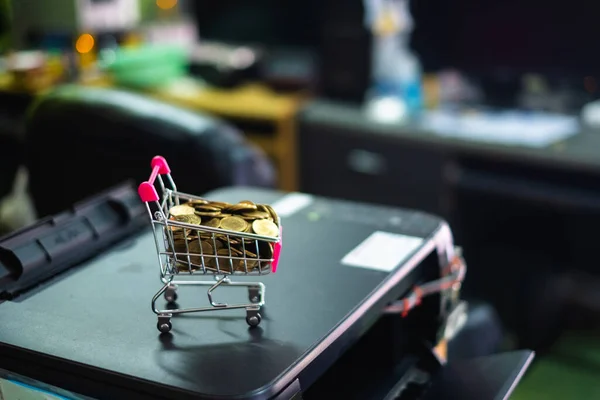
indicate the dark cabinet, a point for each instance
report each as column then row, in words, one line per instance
column 363, row 166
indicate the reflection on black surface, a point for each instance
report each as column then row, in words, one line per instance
column 250, row 359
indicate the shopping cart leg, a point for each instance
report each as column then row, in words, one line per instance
column 223, row 280
column 255, row 294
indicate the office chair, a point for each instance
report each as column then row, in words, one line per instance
column 13, row 176
column 12, row 113
column 82, row 140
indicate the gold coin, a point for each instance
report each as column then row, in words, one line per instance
column 178, row 211
column 219, row 244
column 236, row 252
column 256, row 215
column 199, row 249
column 184, row 267
column 225, row 262
column 180, row 232
column 236, row 224
column 177, row 230
column 223, row 252
column 206, row 208
column 233, row 241
column 249, row 246
column 194, row 202
column 213, row 222
column 178, row 236
column 265, row 227
column 249, row 264
column 203, row 247
column 250, row 254
column 189, row 219
column 208, row 213
column 240, row 207
column 178, row 245
column 219, row 204
column 272, row 212
column 206, row 236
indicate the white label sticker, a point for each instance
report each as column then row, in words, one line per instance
column 292, row 203
column 382, row 251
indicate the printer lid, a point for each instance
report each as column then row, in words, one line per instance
column 94, row 323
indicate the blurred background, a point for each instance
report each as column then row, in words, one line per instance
column 485, row 113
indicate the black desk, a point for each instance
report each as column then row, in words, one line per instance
column 534, row 211
column 408, row 166
column 578, row 153
column 91, row 330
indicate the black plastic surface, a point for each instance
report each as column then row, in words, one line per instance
column 484, row 378
column 94, row 333
column 54, row 244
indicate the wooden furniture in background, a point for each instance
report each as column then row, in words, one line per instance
column 267, row 118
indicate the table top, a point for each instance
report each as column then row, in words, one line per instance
column 579, row 152
column 95, row 321
column 252, row 101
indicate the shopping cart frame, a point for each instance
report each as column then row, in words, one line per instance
column 172, row 276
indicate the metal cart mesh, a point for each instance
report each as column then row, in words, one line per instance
column 187, row 251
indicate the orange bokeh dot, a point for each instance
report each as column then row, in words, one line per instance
column 166, row 4
column 85, row 43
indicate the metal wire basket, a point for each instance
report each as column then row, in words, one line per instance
column 188, row 250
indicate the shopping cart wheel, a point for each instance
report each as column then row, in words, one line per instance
column 164, row 326
column 253, row 318
column 171, row 294
column 164, row 323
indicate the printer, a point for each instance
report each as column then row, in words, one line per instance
column 363, row 302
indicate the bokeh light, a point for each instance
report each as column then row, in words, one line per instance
column 166, row 4
column 85, row 43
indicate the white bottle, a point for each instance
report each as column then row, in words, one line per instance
column 396, row 72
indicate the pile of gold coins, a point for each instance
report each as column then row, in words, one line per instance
column 222, row 252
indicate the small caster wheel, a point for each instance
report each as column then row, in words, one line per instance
column 170, row 295
column 253, row 320
column 164, row 326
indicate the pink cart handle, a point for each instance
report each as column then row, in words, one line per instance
column 146, row 190
column 277, row 251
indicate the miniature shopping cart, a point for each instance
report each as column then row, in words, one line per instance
column 178, row 268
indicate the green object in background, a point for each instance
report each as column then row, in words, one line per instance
column 570, row 372
column 147, row 66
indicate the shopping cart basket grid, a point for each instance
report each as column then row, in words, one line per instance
column 208, row 251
